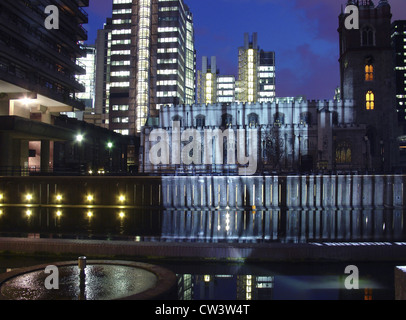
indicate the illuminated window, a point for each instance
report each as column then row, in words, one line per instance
column 227, row 120
column 306, row 118
column 200, row 121
column 370, row 100
column 279, row 118
column 343, row 153
column 369, row 72
column 253, row 120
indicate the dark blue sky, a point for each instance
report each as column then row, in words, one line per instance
column 303, row 33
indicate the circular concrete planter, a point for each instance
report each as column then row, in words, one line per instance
column 102, row 280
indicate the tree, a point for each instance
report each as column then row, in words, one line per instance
column 272, row 148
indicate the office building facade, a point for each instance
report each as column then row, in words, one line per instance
column 399, row 45
column 256, row 72
column 212, row 87
column 38, row 68
column 150, row 61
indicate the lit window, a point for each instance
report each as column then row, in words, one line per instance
column 369, row 72
column 370, row 100
column 343, row 153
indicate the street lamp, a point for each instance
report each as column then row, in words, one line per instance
column 109, row 147
column 79, row 140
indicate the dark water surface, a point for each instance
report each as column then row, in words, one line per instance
column 276, row 225
column 264, row 281
column 222, row 281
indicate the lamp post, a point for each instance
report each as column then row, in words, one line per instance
column 79, row 140
column 109, row 147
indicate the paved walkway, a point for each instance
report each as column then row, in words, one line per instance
column 220, row 251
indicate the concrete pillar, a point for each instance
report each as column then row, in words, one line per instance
column 398, row 190
column 378, row 197
column 274, row 215
column 223, row 182
column 275, row 192
column 46, row 117
column 388, row 190
column 318, row 183
column 356, row 192
column 304, row 192
column 6, row 155
column 45, row 153
column 367, row 191
column 398, row 224
column 267, row 225
column 356, row 224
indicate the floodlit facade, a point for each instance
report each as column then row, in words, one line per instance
column 292, row 135
column 368, row 78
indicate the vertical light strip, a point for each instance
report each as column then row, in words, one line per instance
column 143, row 63
column 251, row 77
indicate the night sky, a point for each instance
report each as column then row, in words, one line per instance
column 303, row 33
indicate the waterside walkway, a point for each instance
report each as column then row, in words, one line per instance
column 276, row 252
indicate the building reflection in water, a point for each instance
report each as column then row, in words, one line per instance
column 292, row 226
column 276, row 225
column 280, row 286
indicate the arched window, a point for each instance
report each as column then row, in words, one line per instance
column 279, row 118
column 369, row 72
column 253, row 120
column 200, row 121
column 343, row 153
column 306, row 118
column 367, row 36
column 370, row 100
column 177, row 118
column 226, row 120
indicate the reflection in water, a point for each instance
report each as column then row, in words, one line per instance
column 277, row 287
column 103, row 282
column 276, row 225
column 296, row 226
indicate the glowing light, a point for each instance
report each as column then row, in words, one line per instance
column 58, row 213
column 121, row 215
column 28, row 197
column 121, row 198
column 1, row 212
column 26, row 101
column 59, row 197
column 79, row 138
column 110, row 145
column 28, row 213
column 90, row 198
column 89, row 214
column 1, row 196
